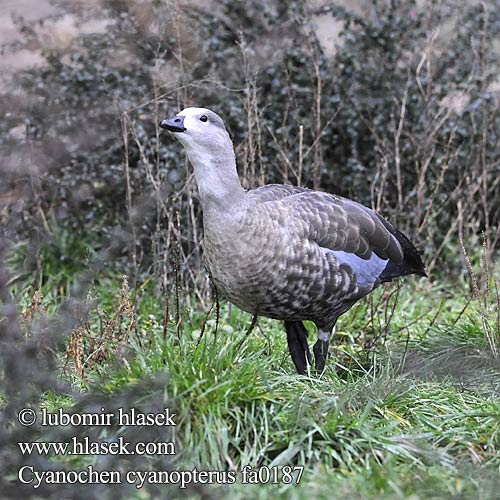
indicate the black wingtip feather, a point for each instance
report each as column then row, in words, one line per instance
column 412, row 263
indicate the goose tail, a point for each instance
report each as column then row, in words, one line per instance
column 412, row 262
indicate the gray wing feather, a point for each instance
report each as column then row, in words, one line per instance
column 337, row 223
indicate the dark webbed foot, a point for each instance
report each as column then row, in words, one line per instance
column 296, row 335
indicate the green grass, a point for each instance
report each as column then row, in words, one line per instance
column 414, row 416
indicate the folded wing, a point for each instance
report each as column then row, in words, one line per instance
column 356, row 236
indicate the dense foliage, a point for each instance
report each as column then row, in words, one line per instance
column 403, row 116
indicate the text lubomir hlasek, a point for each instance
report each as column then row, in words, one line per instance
column 129, row 417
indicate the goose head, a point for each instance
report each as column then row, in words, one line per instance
column 199, row 130
column 211, row 152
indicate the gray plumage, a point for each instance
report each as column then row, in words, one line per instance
column 286, row 252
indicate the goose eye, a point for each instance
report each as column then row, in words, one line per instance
column 203, row 118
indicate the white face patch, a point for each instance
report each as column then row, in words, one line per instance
column 204, row 132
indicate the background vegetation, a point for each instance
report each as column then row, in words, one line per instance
column 399, row 111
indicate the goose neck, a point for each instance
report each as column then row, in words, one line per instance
column 218, row 184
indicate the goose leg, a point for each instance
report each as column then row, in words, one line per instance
column 296, row 335
column 320, row 349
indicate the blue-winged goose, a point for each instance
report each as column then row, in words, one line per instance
column 286, row 252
